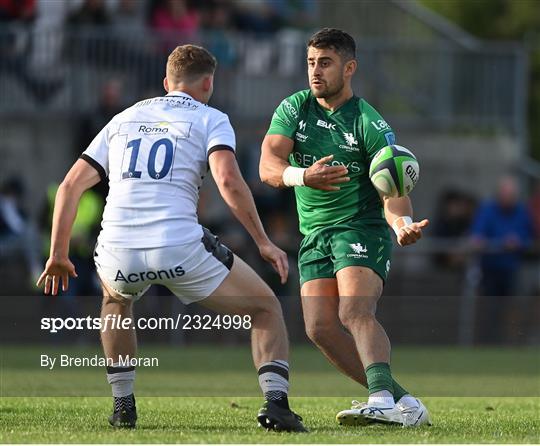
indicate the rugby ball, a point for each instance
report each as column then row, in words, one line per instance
column 394, row 171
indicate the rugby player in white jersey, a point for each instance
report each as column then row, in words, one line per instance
column 154, row 156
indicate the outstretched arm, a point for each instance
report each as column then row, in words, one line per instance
column 238, row 197
column 81, row 177
column 398, row 213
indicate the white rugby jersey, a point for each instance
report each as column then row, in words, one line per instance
column 155, row 155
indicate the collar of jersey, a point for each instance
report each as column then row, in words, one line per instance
column 179, row 93
column 341, row 107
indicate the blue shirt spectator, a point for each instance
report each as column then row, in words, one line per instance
column 502, row 229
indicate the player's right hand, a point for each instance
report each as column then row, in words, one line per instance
column 277, row 258
column 55, row 270
column 323, row 177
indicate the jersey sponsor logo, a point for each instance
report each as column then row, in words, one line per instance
column 351, row 143
column 290, row 108
column 326, row 125
column 349, row 137
column 161, row 274
column 348, row 148
column 157, row 128
column 306, row 160
column 359, row 251
column 300, row 137
column 380, row 125
column 390, row 138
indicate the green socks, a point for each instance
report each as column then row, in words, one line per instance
column 380, row 378
column 398, row 391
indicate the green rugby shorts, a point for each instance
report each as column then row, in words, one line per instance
column 325, row 251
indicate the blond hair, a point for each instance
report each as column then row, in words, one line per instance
column 187, row 63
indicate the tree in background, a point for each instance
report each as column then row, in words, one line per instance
column 505, row 20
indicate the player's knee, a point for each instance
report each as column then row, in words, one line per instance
column 319, row 332
column 356, row 318
column 267, row 307
column 117, row 304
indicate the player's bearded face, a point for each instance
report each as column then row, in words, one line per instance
column 325, row 72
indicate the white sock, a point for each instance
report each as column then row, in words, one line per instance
column 408, row 401
column 121, row 380
column 274, row 377
column 382, row 398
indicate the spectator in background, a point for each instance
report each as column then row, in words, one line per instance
column 176, row 21
column 17, row 10
column 300, row 14
column 17, row 235
column 92, row 12
column 110, row 104
column 455, row 213
column 216, row 20
column 534, row 209
column 83, row 239
column 24, row 51
column 19, row 14
column 256, row 16
column 453, row 218
column 130, row 15
column 501, row 232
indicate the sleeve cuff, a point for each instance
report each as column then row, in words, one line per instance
column 95, row 165
column 280, row 132
column 219, row 147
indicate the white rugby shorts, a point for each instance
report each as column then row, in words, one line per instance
column 191, row 271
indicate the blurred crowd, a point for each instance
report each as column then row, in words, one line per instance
column 497, row 237
column 185, row 16
column 40, row 39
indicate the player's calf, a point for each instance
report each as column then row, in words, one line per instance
column 243, row 292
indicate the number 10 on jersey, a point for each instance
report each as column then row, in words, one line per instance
column 163, row 144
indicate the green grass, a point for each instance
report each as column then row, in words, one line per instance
column 225, row 420
column 210, row 395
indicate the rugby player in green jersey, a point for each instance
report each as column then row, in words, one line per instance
column 321, row 141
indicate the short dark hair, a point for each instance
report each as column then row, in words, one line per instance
column 335, row 39
column 189, row 62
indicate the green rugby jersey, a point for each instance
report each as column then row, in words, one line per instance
column 353, row 134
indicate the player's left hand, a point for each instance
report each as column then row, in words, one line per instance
column 277, row 258
column 410, row 234
column 56, row 269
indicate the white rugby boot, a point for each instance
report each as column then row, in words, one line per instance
column 361, row 414
column 414, row 416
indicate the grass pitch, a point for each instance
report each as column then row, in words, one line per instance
column 226, row 420
column 474, row 396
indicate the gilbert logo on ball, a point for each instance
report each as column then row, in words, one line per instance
column 394, row 171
